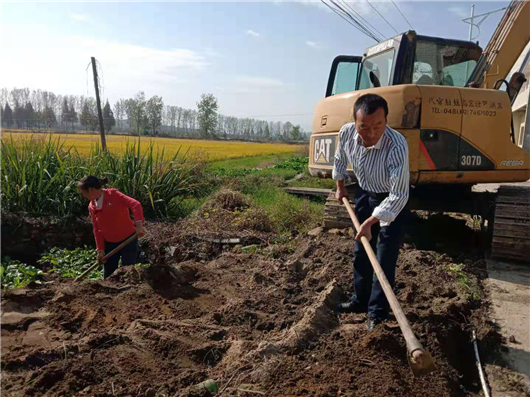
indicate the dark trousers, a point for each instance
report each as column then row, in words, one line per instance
column 128, row 255
column 385, row 242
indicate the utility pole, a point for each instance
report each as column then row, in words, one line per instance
column 470, row 35
column 480, row 18
column 471, row 22
column 98, row 102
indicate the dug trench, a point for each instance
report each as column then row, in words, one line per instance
column 256, row 320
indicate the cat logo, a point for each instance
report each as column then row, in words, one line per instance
column 324, row 150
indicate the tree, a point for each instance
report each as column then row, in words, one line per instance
column 19, row 115
column 287, row 130
column 8, row 116
column 88, row 116
column 108, row 117
column 48, row 117
column 266, row 131
column 119, row 111
column 30, row 115
column 296, row 133
column 153, row 109
column 136, row 111
column 207, row 109
column 64, row 111
column 171, row 113
column 72, row 115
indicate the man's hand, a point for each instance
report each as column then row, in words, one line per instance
column 341, row 191
column 140, row 230
column 101, row 254
column 366, row 228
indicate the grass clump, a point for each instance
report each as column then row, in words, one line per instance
column 226, row 199
column 254, row 218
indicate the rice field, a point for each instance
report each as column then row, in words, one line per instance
column 209, row 149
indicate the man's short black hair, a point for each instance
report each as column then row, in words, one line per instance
column 369, row 103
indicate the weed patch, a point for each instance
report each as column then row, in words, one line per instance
column 71, row 263
column 14, row 274
column 466, row 282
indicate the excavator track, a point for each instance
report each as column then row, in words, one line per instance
column 511, row 227
column 335, row 214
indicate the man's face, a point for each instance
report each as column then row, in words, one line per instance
column 370, row 126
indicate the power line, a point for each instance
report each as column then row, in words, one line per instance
column 282, row 115
column 101, row 81
column 86, row 70
column 401, row 14
column 360, row 16
column 344, row 14
column 360, row 25
column 382, row 16
column 340, row 15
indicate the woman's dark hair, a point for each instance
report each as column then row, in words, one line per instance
column 369, row 103
column 91, row 181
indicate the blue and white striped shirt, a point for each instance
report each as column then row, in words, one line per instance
column 382, row 168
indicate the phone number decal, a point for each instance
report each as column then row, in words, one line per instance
column 465, row 112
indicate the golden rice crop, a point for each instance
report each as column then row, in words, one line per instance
column 214, row 150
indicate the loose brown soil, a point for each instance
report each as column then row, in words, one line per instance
column 257, row 319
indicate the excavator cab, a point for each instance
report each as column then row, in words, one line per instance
column 405, row 59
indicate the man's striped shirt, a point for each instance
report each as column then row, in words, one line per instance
column 382, row 168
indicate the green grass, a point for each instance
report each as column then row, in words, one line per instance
column 249, row 162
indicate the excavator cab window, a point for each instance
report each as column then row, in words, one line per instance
column 343, row 75
column 444, row 62
column 376, row 70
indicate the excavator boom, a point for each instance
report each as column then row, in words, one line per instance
column 507, row 42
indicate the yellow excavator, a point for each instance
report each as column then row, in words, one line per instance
column 453, row 104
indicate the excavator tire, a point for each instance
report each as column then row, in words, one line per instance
column 511, row 227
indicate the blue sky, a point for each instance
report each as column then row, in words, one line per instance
column 268, row 59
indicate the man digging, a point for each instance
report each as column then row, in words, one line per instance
column 380, row 160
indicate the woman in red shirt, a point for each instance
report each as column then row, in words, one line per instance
column 112, row 223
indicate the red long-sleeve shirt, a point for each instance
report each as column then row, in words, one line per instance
column 113, row 222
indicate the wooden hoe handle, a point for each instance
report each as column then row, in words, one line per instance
column 115, row 250
column 413, row 345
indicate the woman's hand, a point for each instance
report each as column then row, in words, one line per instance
column 101, row 254
column 140, row 230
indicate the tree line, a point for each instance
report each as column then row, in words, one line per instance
column 43, row 110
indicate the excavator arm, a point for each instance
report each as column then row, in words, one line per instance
column 505, row 46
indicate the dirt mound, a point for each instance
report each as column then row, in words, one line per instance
column 226, row 220
column 227, row 200
column 260, row 320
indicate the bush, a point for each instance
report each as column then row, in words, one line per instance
column 14, row 274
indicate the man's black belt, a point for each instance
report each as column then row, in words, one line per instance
column 378, row 196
